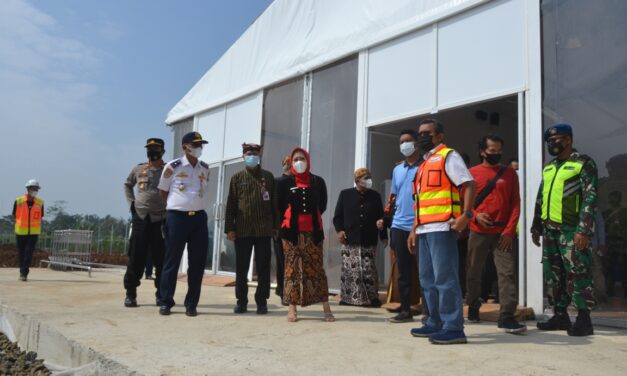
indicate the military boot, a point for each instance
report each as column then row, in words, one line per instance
column 559, row 321
column 582, row 326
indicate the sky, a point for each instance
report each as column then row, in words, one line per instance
column 84, row 83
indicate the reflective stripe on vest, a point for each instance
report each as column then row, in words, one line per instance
column 438, row 198
column 28, row 220
column 561, row 192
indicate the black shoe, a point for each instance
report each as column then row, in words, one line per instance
column 23, row 278
column 164, row 310
column 262, row 309
column 402, row 317
column 150, row 277
column 191, row 312
column 375, row 303
column 582, row 326
column 343, row 303
column 130, row 302
column 473, row 314
column 510, row 325
column 240, row 308
column 559, row 321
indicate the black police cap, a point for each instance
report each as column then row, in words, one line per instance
column 154, row 141
column 192, row 138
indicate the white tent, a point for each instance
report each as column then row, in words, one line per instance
column 293, row 37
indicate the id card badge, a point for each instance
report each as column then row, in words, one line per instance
column 266, row 196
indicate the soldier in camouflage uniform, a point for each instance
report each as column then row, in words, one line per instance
column 564, row 217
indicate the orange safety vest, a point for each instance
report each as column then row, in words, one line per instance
column 437, row 198
column 28, row 220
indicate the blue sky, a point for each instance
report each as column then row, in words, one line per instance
column 83, row 83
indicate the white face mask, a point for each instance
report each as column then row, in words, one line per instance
column 366, row 183
column 300, row 166
column 32, row 193
column 195, row 152
column 407, row 148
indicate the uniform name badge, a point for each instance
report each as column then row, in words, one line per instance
column 266, row 196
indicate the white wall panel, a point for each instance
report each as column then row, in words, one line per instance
column 481, row 53
column 401, row 77
column 211, row 127
column 243, row 124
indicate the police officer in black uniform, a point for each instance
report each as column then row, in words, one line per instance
column 184, row 186
column 148, row 211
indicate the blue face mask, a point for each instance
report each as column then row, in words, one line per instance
column 251, row 161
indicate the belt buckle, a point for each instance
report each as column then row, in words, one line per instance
column 190, row 213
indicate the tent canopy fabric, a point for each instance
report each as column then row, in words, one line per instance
column 291, row 38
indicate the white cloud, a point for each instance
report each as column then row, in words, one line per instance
column 45, row 92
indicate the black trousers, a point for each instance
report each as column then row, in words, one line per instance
column 280, row 265
column 398, row 242
column 25, row 248
column 146, row 241
column 243, row 252
column 181, row 229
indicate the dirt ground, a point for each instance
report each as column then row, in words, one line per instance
column 9, row 259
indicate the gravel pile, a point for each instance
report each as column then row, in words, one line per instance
column 13, row 361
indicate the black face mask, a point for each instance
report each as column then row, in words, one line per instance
column 425, row 142
column 555, row 148
column 154, row 155
column 493, row 159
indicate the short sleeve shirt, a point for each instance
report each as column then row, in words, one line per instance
column 187, row 185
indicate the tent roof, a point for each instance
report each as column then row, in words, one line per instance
column 291, row 38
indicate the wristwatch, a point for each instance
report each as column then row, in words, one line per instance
column 468, row 213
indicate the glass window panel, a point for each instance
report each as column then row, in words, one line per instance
column 481, row 52
column 243, row 124
column 178, row 131
column 584, row 48
column 282, row 119
column 211, row 127
column 227, row 247
column 214, row 178
column 332, row 146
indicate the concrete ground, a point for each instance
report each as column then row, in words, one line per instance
column 88, row 314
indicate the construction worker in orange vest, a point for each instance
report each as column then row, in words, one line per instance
column 27, row 211
column 439, row 218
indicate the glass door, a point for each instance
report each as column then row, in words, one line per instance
column 212, row 213
column 225, row 247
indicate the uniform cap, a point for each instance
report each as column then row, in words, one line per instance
column 193, row 137
column 250, row 147
column 154, row 141
column 32, row 183
column 558, row 129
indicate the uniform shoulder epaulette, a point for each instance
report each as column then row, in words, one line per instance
column 205, row 165
column 175, row 163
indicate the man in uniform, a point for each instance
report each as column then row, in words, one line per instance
column 148, row 213
column 27, row 211
column 251, row 220
column 184, row 186
column 564, row 217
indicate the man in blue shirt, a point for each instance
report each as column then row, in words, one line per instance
column 403, row 220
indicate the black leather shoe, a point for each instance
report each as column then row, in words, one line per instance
column 582, row 326
column 240, row 309
column 191, row 312
column 130, row 302
column 559, row 321
column 164, row 310
column 473, row 314
column 262, row 309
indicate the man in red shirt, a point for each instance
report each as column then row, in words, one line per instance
column 493, row 231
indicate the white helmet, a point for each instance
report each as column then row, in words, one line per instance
column 32, row 183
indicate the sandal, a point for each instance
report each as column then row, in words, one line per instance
column 328, row 317
column 292, row 316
